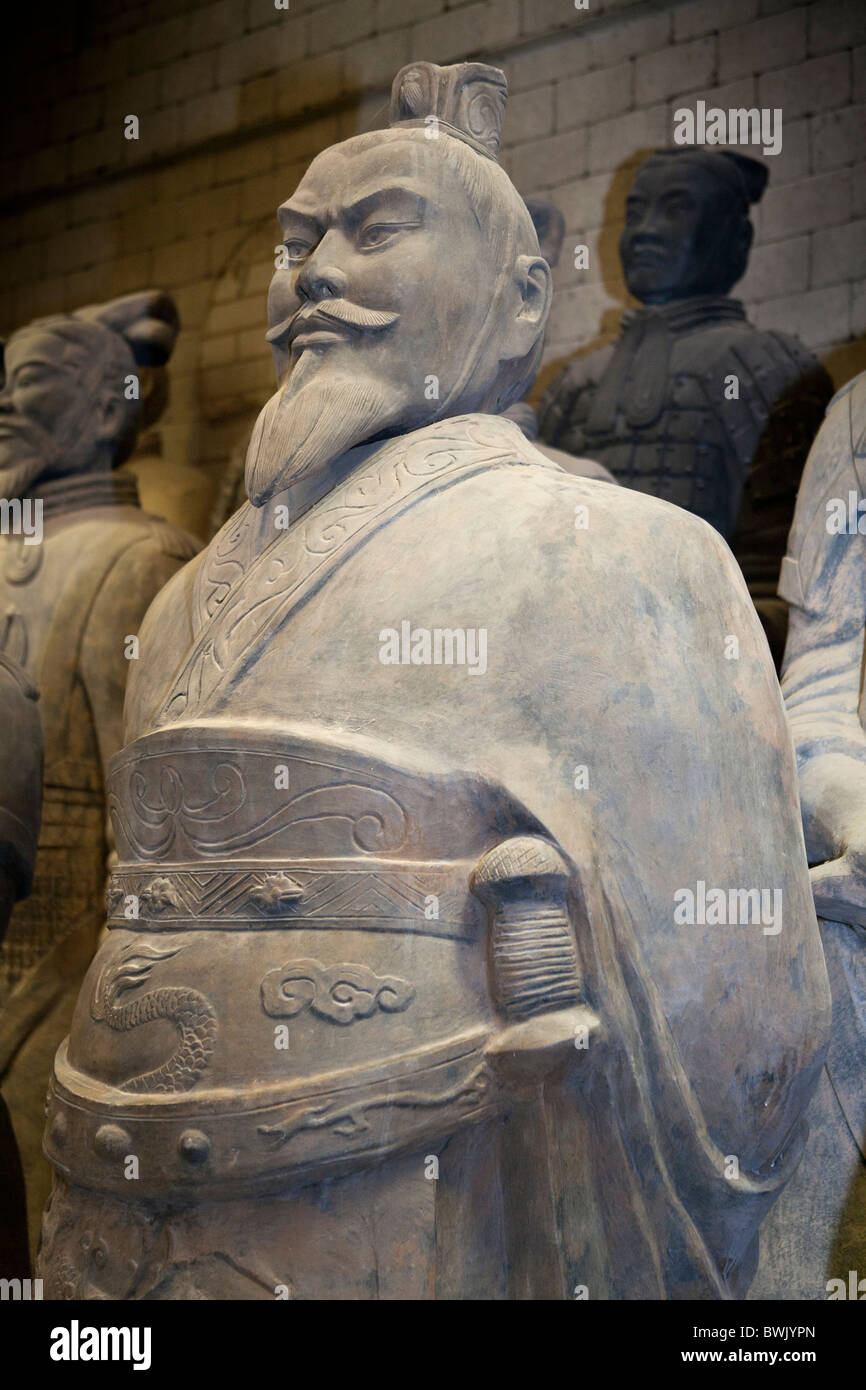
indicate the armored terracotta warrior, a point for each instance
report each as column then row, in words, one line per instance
column 76, row 576
column 818, row 1235
column 692, row 403
column 20, row 801
column 461, row 937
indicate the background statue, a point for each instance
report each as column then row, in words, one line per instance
column 693, row 404
column 72, row 598
column 422, row 775
column 818, row 1233
column 20, row 800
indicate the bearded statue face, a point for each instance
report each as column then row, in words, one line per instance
column 393, row 308
column 52, row 420
column 681, row 237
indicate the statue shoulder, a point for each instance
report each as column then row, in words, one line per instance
column 172, row 540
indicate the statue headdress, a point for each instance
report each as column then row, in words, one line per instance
column 467, row 101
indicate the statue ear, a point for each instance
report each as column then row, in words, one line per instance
column 111, row 417
column 533, row 282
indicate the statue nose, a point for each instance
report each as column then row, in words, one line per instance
column 321, row 282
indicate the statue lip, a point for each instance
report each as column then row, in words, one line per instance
column 310, row 336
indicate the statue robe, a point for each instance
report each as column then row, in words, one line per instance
column 615, row 721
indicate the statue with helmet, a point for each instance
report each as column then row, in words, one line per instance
column 693, row 403
column 426, row 756
column 76, row 577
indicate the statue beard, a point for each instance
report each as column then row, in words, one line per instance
column 26, row 453
column 313, row 420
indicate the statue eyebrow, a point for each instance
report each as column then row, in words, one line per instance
column 367, row 202
column 289, row 218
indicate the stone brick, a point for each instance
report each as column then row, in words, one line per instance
column 773, row 42
column 212, row 207
column 130, row 270
column 658, row 75
column 778, row 269
column 858, row 58
column 611, row 142
column 217, row 352
column 341, row 24
column 181, row 180
column 252, row 345
column 265, row 50
column 218, row 23
column 460, row 34
column 255, row 156
column 529, row 115
column 858, row 190
column 693, row 20
column 211, row 114
column 542, row 16
column 155, row 44
column 231, row 318
column 161, row 132
column 546, row 62
column 594, row 96
column 858, row 309
column 731, row 95
column 838, row 137
column 143, row 228
column 576, row 315
column 838, row 253
column 376, row 62
column 316, row 82
column 305, row 141
column 394, row 14
column 836, row 24
column 820, row 317
column 814, row 86
column 628, row 37
column 821, row 201
column 540, row 163
column 101, row 149
column 180, row 262
column 188, row 77
column 582, row 202
column 46, row 169
column 258, row 100
column 76, row 116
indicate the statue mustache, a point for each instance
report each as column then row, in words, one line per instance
column 341, row 311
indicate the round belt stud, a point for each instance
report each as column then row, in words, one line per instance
column 194, row 1146
column 110, row 1141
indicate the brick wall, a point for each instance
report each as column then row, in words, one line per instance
column 235, row 96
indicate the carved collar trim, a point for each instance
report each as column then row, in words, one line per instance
column 82, row 490
column 683, row 314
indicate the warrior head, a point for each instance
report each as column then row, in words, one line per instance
column 71, row 402
column 687, row 230
column 412, row 289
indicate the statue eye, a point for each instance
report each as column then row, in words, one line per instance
column 296, row 250
column 378, row 234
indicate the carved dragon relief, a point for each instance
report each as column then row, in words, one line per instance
column 193, row 1015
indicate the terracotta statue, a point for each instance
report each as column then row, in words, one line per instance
column 461, row 937
column 819, row 1233
column 549, row 225
column 79, row 564
column 692, row 403
column 20, row 799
